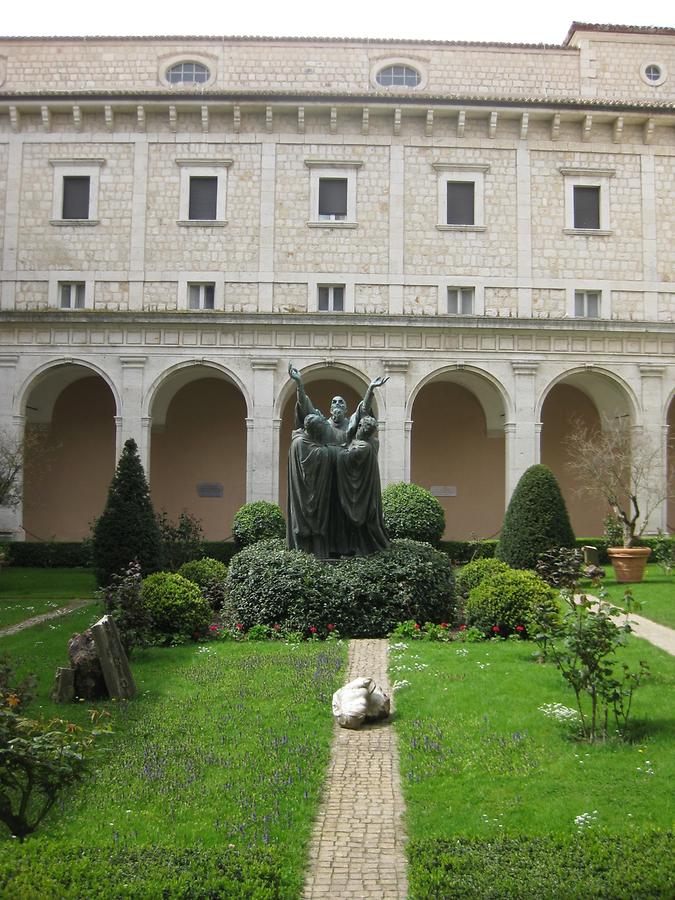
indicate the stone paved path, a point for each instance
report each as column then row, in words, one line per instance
column 54, row 614
column 357, row 848
column 659, row 635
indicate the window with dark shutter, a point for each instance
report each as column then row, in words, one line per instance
column 75, row 197
column 586, row 207
column 461, row 203
column 203, row 197
column 333, row 199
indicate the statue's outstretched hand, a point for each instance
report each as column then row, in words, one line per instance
column 379, row 381
column 294, row 374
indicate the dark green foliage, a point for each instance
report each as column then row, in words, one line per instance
column 536, row 520
column 53, row 870
column 509, row 600
column 38, row 759
column 561, row 567
column 575, row 867
column 48, row 554
column 127, row 529
column 181, row 542
column 410, row 511
column 361, row 596
column 258, row 521
column 223, row 551
column 210, row 576
column 471, row 575
column 122, row 600
column 175, row 606
column 461, row 552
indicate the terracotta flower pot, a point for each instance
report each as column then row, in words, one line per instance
column 629, row 563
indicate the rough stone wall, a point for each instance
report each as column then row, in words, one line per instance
column 31, row 295
column 371, row 299
column 664, row 176
column 290, row 298
column 420, row 300
column 548, row 303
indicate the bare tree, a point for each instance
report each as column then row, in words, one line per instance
column 622, row 467
column 11, row 466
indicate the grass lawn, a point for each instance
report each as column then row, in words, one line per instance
column 29, row 592
column 224, row 750
column 480, row 762
column 656, row 593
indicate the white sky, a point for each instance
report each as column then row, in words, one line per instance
column 530, row 21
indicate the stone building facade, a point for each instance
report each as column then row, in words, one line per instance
column 492, row 226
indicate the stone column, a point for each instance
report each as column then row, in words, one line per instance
column 262, row 464
column 11, row 435
column 130, row 422
column 652, row 436
column 393, row 448
column 522, row 435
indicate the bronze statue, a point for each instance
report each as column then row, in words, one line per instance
column 334, row 502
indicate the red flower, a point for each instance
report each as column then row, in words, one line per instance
column 495, row 628
column 462, row 627
column 330, row 627
column 444, row 625
column 277, row 627
column 213, row 628
column 312, row 629
column 417, row 627
column 239, row 626
column 520, row 628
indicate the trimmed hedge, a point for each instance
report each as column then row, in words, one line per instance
column 258, row 521
column 176, row 606
column 55, row 870
column 362, row 596
column 410, row 511
column 572, row 867
column 508, row 600
column 48, row 554
column 210, row 576
column 536, row 520
column 471, row 575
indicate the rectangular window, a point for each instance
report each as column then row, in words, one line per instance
column 71, row 294
column 331, row 298
column 333, row 199
column 460, row 301
column 203, row 204
column 586, row 206
column 460, row 203
column 75, row 197
column 201, row 296
column 587, row 304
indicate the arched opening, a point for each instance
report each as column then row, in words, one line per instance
column 670, row 509
column 584, row 397
column 70, row 453
column 321, row 387
column 458, row 452
column 198, row 449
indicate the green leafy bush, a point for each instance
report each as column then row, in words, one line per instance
column 181, row 542
column 608, row 866
column 58, row 870
column 122, row 601
column 176, row 607
column 471, row 575
column 410, row 511
column 508, row 601
column 210, row 576
column 258, row 521
column 536, row 520
column 127, row 529
column 361, row 596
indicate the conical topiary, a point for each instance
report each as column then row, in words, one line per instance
column 536, row 520
column 127, row 530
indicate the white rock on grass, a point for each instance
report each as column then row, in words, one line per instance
column 360, row 701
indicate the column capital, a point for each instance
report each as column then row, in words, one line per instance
column 8, row 360
column 523, row 368
column 651, row 370
column 265, row 363
column 133, row 362
column 396, row 365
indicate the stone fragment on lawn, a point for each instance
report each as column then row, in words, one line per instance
column 83, row 656
column 360, row 701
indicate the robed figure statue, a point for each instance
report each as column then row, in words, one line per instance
column 334, row 498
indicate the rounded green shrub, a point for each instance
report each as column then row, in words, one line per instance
column 510, row 601
column 360, row 596
column 411, row 580
column 471, row 575
column 258, row 521
column 410, row 511
column 175, row 606
column 210, row 576
column 536, row 520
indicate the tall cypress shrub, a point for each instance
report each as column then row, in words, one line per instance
column 127, row 530
column 536, row 520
